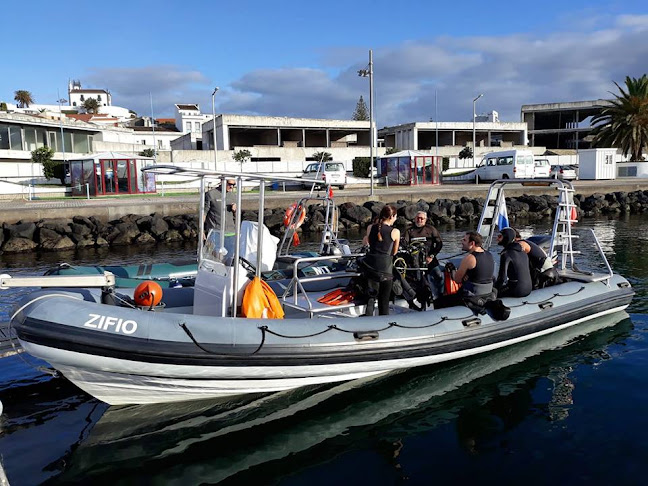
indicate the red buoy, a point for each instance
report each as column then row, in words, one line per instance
column 148, row 294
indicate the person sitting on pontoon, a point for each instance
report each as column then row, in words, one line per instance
column 475, row 274
column 514, row 278
column 543, row 273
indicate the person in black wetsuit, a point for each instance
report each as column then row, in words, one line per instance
column 383, row 240
column 514, row 278
column 475, row 274
column 543, row 273
column 433, row 245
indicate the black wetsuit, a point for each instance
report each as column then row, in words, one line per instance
column 433, row 243
column 543, row 273
column 377, row 266
column 514, row 278
column 478, row 287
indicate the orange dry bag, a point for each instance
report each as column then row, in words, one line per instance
column 260, row 301
column 450, row 286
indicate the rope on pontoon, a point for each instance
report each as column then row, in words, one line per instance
column 188, row 332
column 525, row 302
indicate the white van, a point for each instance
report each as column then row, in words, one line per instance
column 327, row 173
column 507, row 164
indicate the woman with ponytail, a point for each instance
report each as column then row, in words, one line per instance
column 382, row 239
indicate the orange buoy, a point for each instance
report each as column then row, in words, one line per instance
column 148, row 294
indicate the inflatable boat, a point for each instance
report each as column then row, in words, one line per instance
column 215, row 339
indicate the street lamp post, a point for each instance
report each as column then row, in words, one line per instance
column 368, row 72
column 214, row 125
column 61, row 100
column 474, row 138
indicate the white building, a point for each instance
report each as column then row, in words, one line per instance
column 78, row 95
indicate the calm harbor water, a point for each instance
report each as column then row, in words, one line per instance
column 564, row 409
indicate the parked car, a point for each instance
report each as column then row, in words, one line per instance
column 541, row 168
column 332, row 173
column 567, row 172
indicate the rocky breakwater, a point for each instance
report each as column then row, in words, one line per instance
column 81, row 232
column 60, row 234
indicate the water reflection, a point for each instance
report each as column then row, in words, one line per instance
column 211, row 441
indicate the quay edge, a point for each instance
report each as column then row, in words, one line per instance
column 107, row 209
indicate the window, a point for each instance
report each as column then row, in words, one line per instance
column 4, row 137
column 80, row 143
column 15, row 138
column 82, row 98
column 98, row 97
column 74, row 103
column 505, row 161
column 187, row 126
column 197, row 126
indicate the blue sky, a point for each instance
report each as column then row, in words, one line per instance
column 300, row 58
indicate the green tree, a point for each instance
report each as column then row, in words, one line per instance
column 43, row 156
column 322, row 156
column 361, row 112
column 466, row 153
column 23, row 98
column 149, row 152
column 241, row 156
column 91, row 105
column 624, row 124
column 3, row 106
column 391, row 150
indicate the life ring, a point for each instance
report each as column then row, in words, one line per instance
column 294, row 218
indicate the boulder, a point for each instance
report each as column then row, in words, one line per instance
column 21, row 230
column 19, row 245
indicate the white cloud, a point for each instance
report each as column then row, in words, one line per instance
column 511, row 70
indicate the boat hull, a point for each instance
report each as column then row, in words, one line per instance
column 120, row 382
column 173, row 356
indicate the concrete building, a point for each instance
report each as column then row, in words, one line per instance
column 20, row 134
column 189, row 121
column 561, row 125
column 236, row 131
column 454, row 136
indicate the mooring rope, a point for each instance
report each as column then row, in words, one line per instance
column 548, row 299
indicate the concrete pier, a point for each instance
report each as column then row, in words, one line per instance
column 110, row 208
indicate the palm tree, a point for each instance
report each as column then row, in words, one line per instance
column 624, row 124
column 322, row 156
column 23, row 98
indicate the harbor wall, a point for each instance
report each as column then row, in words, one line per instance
column 152, row 224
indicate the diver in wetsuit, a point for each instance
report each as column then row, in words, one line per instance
column 514, row 278
column 475, row 274
column 383, row 240
column 543, row 273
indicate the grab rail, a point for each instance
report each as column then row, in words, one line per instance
column 296, row 283
column 605, row 260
